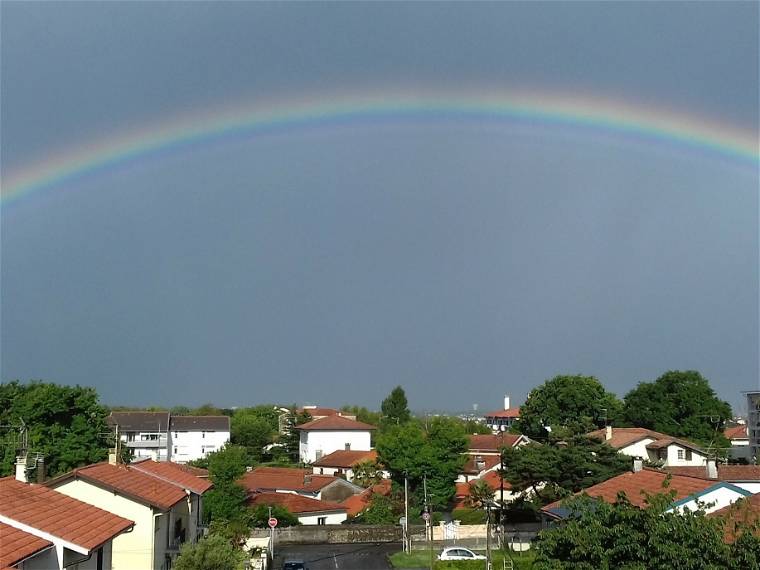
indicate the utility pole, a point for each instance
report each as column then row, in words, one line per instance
column 407, row 548
column 271, row 536
column 488, row 536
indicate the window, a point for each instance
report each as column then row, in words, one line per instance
column 663, row 454
column 348, row 447
column 175, row 450
column 322, row 520
column 203, row 434
column 680, row 454
column 688, row 455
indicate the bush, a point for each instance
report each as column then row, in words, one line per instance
column 469, row 516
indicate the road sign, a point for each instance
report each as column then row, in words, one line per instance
column 272, row 522
column 426, row 516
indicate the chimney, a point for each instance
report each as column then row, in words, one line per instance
column 712, row 469
column 306, row 479
column 506, row 402
column 608, row 433
column 41, row 470
column 638, row 464
column 21, row 469
column 112, row 457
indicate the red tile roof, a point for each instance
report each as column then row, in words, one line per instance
column 18, row 545
column 623, row 437
column 737, row 432
column 129, row 482
column 335, row 423
column 59, row 515
column 635, row 485
column 486, row 462
column 173, row 473
column 743, row 512
column 271, row 478
column 493, row 442
column 296, row 504
column 508, row 413
column 355, row 504
column 463, row 489
column 318, row 412
column 729, row 473
column 345, row 459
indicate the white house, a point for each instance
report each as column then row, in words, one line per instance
column 146, row 434
column 503, row 419
column 745, row 477
column 162, row 499
column 41, row 529
column 341, row 463
column 739, row 438
column 652, row 446
column 298, row 481
column 193, row 437
column 308, row 511
column 325, row 435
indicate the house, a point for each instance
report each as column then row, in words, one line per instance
column 502, row 420
column 146, row 434
column 477, row 466
column 738, row 436
column 298, row 481
column 308, row 511
column 499, row 487
column 317, row 412
column 161, row 436
column 193, row 437
column 341, row 463
column 484, row 453
column 652, row 446
column 43, row 529
column 163, row 500
column 691, row 493
column 325, row 435
column 746, row 477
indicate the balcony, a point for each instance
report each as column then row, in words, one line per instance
column 148, row 443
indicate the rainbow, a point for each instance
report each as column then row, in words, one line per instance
column 612, row 117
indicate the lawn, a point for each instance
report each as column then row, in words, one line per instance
column 421, row 559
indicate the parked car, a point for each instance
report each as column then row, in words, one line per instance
column 294, row 565
column 459, row 553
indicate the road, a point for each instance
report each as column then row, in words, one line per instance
column 338, row 556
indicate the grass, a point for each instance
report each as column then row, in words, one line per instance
column 421, row 559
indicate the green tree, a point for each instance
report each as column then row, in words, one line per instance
column 367, row 473
column 260, row 516
column 569, row 405
column 602, row 536
column 679, row 403
column 363, row 414
column 226, row 502
column 292, row 437
column 481, row 493
column 553, row 471
column 180, row 411
column 211, row 553
column 67, row 424
column 381, row 510
column 251, row 431
column 207, row 409
column 435, row 455
column 395, row 408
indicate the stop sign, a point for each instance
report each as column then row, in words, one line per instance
column 272, row 522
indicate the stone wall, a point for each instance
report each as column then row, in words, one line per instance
column 338, row 534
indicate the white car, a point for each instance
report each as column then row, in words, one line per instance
column 459, row 553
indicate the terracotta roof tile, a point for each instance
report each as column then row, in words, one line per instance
column 296, row 504
column 729, row 473
column 355, row 504
column 173, row 473
column 492, row 442
column 636, row 485
column 508, row 413
column 59, row 515
column 478, row 463
column 318, row 412
column 737, row 432
column 271, row 478
column 335, row 423
column 132, row 483
column 345, row 459
column 17, row 545
column 623, row 437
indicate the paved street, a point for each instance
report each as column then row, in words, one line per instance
column 339, row 556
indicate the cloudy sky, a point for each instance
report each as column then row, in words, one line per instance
column 325, row 262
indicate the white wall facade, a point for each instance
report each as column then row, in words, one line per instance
column 189, row 445
column 49, row 560
column 677, row 456
column 713, row 500
column 316, row 444
column 322, row 518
